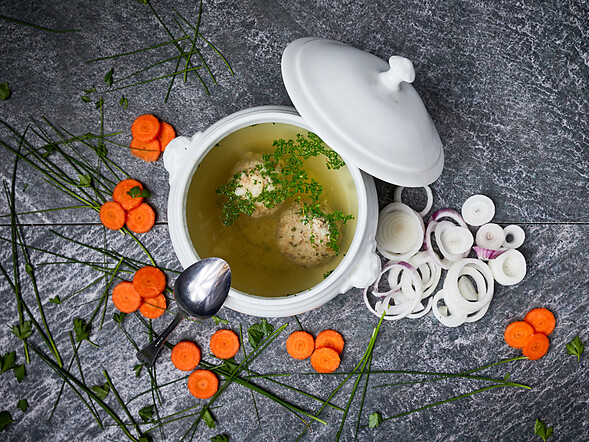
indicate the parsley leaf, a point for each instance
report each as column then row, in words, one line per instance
column 23, row 331
column 136, row 192
column 124, row 102
column 576, row 347
column 99, row 103
column 541, row 430
column 101, row 390
column 85, row 180
column 209, row 419
column 4, row 91
column 374, row 420
column 7, row 361
column 5, row 419
column 219, row 320
column 22, row 405
column 20, row 372
column 146, row 413
column 101, row 150
column 220, row 438
column 257, row 332
column 108, row 78
column 55, row 300
column 82, row 331
column 86, row 99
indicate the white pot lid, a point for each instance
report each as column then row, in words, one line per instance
column 365, row 109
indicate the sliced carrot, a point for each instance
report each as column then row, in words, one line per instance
column 517, row 333
column 112, row 215
column 167, row 134
column 542, row 320
column 325, row 360
column 125, row 298
column 121, row 194
column 300, row 344
column 153, row 308
column 141, row 219
column 224, row 344
column 203, row 383
column 536, row 346
column 146, row 150
column 145, row 127
column 149, row 282
column 185, row 355
column 331, row 339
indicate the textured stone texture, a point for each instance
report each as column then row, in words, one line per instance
column 507, row 87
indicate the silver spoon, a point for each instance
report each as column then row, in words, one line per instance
column 199, row 291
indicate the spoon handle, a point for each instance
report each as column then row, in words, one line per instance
column 149, row 353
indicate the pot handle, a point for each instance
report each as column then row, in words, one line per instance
column 366, row 271
column 176, row 152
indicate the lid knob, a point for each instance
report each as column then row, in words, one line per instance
column 401, row 69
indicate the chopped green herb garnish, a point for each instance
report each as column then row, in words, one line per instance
column 7, row 361
column 82, row 331
column 541, row 430
column 108, row 78
column 219, row 320
column 209, row 419
column 146, row 413
column 124, row 102
column 22, row 405
column 220, row 438
column 85, row 180
column 118, row 317
column 101, row 390
column 137, row 369
column 20, row 372
column 4, row 91
column 55, row 300
column 258, row 332
column 136, row 192
column 5, row 419
column 576, row 347
column 23, row 331
column 374, row 420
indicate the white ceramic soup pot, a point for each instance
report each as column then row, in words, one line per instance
column 360, row 265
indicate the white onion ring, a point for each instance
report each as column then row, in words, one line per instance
column 456, row 270
column 478, row 210
column 450, row 319
column 509, row 268
column 466, row 289
column 490, row 236
column 428, row 205
column 428, row 270
column 431, row 226
column 440, row 230
column 449, row 213
column 517, row 235
column 392, row 230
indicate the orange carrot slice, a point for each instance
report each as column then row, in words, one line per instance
column 542, row 320
column 517, row 333
column 112, row 215
column 146, row 150
column 149, row 282
column 325, row 360
column 331, row 339
column 121, row 194
column 140, row 219
column 153, row 308
column 185, row 355
column 167, row 134
column 224, row 344
column 125, row 298
column 145, row 127
column 203, row 384
column 536, row 346
column 300, row 344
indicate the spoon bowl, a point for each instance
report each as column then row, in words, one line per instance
column 199, row 291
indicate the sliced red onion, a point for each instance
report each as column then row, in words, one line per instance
column 449, row 213
column 478, row 210
column 490, row 236
column 487, row 254
column 514, row 236
column 400, row 232
column 428, row 205
column 508, row 268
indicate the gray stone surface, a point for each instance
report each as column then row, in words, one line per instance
column 507, row 87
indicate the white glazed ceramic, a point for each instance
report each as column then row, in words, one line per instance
column 360, row 266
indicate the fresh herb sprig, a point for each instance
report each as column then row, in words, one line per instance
column 576, row 347
column 540, row 429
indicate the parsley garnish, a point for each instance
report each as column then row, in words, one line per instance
column 20, row 372
column 576, row 347
column 124, row 102
column 82, row 331
column 137, row 369
column 146, row 413
column 219, row 320
column 7, row 361
column 4, row 91
column 85, row 180
column 55, row 300
column 22, row 405
column 374, row 420
column 136, row 192
column 209, row 419
column 101, row 390
column 541, row 430
column 108, row 78
column 23, row 331
column 220, row 438
column 5, row 419
column 257, row 332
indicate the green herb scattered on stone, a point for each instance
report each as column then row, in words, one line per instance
column 4, row 91
column 576, row 347
column 541, row 430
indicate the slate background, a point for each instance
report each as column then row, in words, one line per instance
column 506, row 84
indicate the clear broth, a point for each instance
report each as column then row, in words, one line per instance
column 249, row 245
